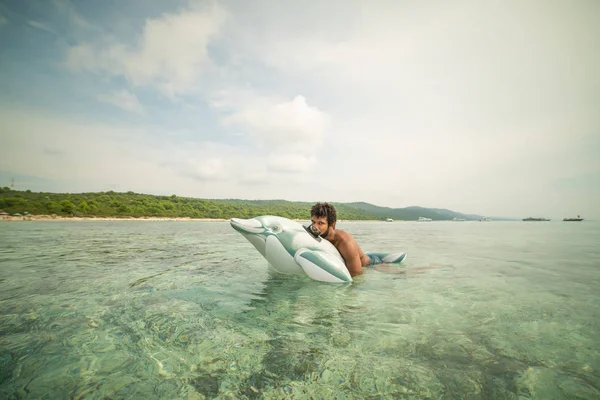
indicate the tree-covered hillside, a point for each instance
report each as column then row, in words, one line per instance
column 115, row 204
column 411, row 213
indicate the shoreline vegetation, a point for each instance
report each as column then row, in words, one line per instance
column 30, row 217
column 116, row 206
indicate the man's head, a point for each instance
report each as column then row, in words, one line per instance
column 323, row 217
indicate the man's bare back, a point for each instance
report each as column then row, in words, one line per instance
column 349, row 248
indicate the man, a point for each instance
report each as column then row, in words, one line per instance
column 323, row 217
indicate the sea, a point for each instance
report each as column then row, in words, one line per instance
column 190, row 310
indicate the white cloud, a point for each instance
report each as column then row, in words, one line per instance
column 294, row 163
column 41, row 26
column 76, row 151
column 447, row 59
column 171, row 52
column 283, row 124
column 291, row 132
column 94, row 156
column 498, row 172
column 208, row 169
column 252, row 172
column 75, row 19
column 124, row 100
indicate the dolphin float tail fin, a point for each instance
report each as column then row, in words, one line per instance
column 388, row 258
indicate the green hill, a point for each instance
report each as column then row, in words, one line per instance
column 410, row 213
column 130, row 204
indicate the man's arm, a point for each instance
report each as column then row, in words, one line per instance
column 349, row 251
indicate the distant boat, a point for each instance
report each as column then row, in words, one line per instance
column 459, row 219
column 535, row 219
column 389, row 220
column 573, row 219
column 423, row 219
column 484, row 219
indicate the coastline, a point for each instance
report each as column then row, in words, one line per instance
column 61, row 218
column 82, row 219
column 30, row 217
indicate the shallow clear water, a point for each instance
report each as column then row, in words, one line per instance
column 144, row 309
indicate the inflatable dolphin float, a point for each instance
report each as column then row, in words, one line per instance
column 291, row 249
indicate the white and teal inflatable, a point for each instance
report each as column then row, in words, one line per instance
column 290, row 249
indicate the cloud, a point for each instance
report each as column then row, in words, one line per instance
column 52, row 151
column 253, row 173
column 89, row 156
column 41, row 26
column 417, row 60
column 480, row 108
column 124, row 100
column 291, row 132
column 66, row 7
column 78, row 153
column 171, row 52
column 282, row 124
column 207, row 169
column 293, row 163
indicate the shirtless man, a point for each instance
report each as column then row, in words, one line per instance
column 323, row 217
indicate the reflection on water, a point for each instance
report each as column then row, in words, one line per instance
column 189, row 310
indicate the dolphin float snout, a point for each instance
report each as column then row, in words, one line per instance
column 247, row 225
column 253, row 230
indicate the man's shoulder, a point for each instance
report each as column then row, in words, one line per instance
column 346, row 233
column 344, row 237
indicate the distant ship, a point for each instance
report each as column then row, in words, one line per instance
column 423, row 219
column 573, row 219
column 535, row 219
column 389, row 220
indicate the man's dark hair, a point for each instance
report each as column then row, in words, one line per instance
column 320, row 210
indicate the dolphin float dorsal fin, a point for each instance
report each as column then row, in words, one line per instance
column 388, row 258
column 394, row 258
column 322, row 266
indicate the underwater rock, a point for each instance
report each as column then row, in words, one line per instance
column 206, row 384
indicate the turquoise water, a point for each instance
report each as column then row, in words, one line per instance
column 188, row 310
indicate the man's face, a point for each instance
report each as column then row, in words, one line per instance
column 319, row 226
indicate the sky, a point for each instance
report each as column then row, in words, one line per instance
column 488, row 107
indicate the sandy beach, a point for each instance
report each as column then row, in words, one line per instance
column 61, row 218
